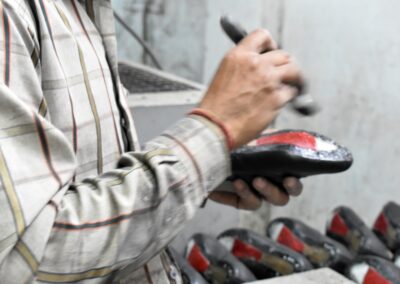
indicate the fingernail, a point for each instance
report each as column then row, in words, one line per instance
column 259, row 182
column 293, row 186
column 240, row 185
column 290, row 183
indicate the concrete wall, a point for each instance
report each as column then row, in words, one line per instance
column 350, row 51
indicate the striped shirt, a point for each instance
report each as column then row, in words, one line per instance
column 79, row 201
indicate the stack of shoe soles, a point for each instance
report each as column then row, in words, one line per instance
column 364, row 255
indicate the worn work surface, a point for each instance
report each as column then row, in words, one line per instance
column 324, row 275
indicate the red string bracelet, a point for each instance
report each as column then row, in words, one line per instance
column 211, row 117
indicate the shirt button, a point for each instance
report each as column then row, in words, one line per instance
column 173, row 273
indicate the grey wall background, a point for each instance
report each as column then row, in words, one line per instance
column 349, row 50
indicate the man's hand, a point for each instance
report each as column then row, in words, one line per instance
column 250, row 88
column 246, row 94
column 244, row 198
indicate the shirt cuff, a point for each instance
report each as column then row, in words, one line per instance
column 201, row 147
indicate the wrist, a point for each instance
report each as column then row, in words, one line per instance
column 210, row 116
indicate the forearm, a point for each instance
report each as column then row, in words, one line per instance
column 130, row 214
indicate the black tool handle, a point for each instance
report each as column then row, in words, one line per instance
column 233, row 30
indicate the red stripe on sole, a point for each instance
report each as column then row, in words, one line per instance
column 373, row 277
column 243, row 250
column 198, row 260
column 381, row 224
column 338, row 226
column 287, row 238
column 299, row 139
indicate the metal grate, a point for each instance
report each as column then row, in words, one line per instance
column 140, row 81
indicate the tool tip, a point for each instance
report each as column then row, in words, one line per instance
column 305, row 105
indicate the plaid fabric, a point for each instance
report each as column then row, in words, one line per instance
column 78, row 201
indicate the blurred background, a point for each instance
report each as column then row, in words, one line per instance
column 350, row 53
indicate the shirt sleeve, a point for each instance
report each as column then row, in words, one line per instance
column 57, row 230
